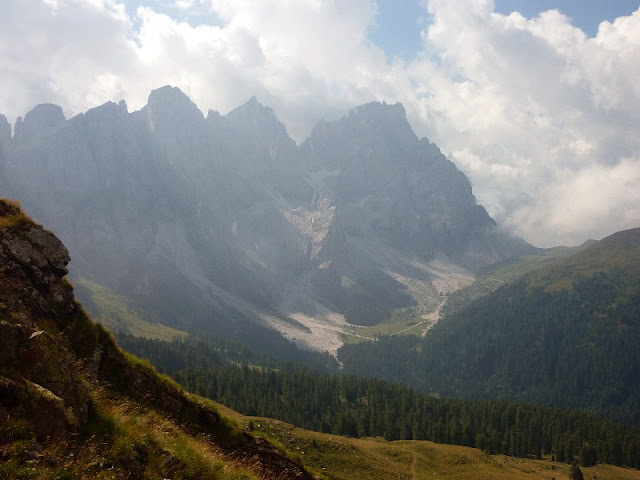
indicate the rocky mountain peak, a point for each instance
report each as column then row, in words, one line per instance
column 258, row 120
column 107, row 110
column 171, row 112
column 385, row 122
column 213, row 116
column 169, row 97
column 252, row 107
column 382, row 112
column 373, row 118
column 253, row 103
column 41, row 119
column 371, row 133
column 255, row 140
column 391, row 185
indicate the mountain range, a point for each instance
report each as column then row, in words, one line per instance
column 223, row 224
column 187, row 229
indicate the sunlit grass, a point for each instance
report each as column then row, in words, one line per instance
column 13, row 221
column 341, row 458
column 169, row 451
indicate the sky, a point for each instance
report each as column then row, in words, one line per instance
column 537, row 102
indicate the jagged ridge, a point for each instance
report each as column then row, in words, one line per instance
column 224, row 224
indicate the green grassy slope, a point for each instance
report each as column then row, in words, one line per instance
column 348, row 405
column 616, row 254
column 334, row 457
column 506, row 272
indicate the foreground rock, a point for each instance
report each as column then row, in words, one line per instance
column 63, row 380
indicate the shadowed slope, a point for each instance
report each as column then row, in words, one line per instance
column 68, row 392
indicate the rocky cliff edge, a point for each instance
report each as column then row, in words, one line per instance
column 64, row 381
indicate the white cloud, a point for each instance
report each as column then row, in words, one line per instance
column 60, row 51
column 593, row 199
column 533, row 110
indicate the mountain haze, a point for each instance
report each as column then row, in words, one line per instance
column 222, row 223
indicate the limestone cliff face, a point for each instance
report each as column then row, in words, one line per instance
column 393, row 186
column 56, row 366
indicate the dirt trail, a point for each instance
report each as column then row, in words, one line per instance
column 414, row 465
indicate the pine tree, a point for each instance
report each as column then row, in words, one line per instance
column 588, row 455
column 576, row 473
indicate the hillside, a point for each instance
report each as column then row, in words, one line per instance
column 566, row 334
column 222, row 224
column 507, row 271
column 363, row 407
column 73, row 405
column 457, row 288
column 343, row 458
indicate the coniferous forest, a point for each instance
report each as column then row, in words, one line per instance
column 349, row 405
column 574, row 347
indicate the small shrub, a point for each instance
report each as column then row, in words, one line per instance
column 14, row 221
column 13, row 430
column 84, row 334
column 575, row 472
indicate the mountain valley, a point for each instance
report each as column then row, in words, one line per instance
column 223, row 224
column 565, row 334
column 76, row 406
column 279, row 279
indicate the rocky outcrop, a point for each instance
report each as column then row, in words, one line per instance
column 55, row 363
column 32, row 255
column 51, row 419
column 35, row 305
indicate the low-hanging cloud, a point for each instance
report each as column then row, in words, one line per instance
column 541, row 117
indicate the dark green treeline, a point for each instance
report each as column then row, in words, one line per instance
column 349, row 405
column 576, row 348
